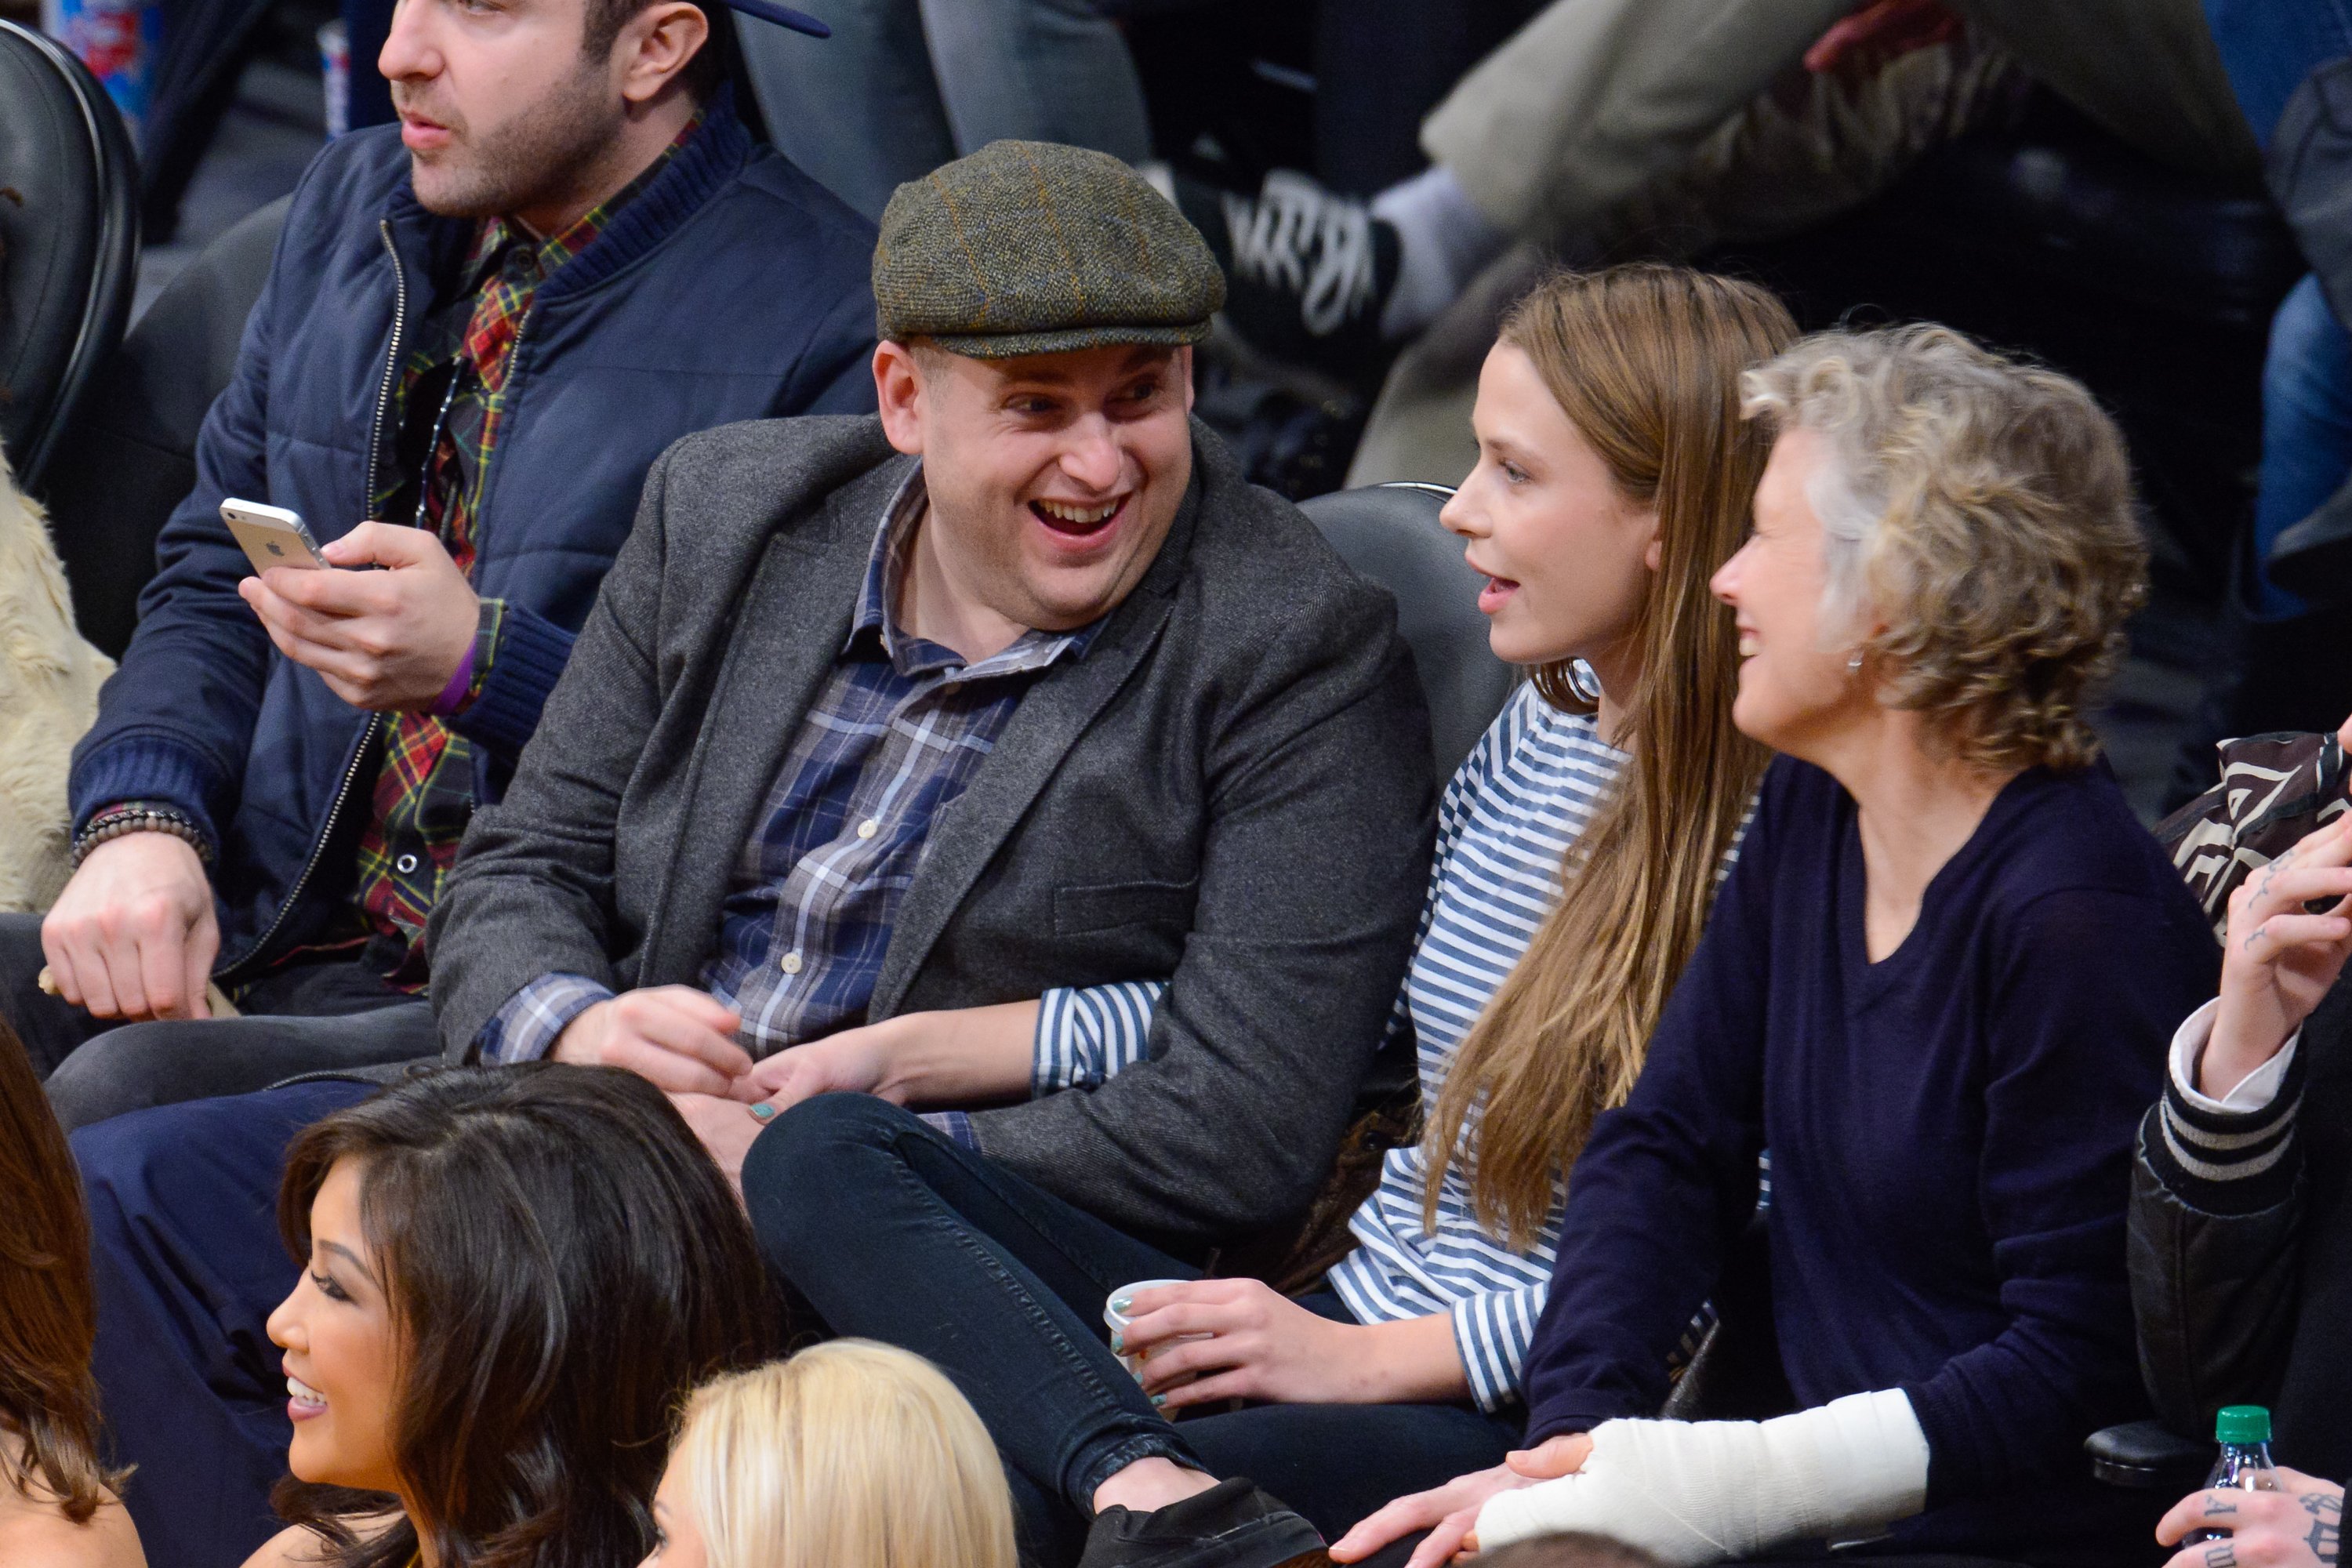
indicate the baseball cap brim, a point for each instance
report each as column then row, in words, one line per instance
column 783, row 17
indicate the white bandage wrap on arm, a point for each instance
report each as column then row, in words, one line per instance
column 1704, row 1491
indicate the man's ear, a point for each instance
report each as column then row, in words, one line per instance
column 656, row 45
column 1184, row 369
column 899, row 389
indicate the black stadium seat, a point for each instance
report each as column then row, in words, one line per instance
column 129, row 456
column 1391, row 534
column 69, row 226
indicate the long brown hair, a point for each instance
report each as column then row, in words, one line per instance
column 48, row 1316
column 562, row 1263
column 1644, row 360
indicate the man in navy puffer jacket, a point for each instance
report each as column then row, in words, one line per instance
column 486, row 323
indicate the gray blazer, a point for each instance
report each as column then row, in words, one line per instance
column 1231, row 788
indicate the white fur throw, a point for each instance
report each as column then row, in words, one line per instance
column 48, row 697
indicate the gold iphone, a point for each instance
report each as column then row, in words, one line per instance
column 271, row 535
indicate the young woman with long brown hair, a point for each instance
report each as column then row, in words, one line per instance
column 57, row 1506
column 1578, row 849
column 511, row 1277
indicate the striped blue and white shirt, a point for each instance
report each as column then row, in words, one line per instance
column 1507, row 818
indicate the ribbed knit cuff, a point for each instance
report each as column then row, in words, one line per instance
column 531, row 653
column 2226, row 1162
column 142, row 767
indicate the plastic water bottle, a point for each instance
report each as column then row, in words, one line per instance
column 2244, row 1464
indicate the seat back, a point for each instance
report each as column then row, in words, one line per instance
column 128, row 456
column 1391, row 534
column 69, row 221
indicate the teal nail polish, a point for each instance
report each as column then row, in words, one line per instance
column 1119, row 1303
column 1157, row 1400
column 1118, row 1344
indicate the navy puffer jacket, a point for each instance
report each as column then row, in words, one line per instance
column 733, row 286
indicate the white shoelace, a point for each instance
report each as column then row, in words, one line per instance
column 1298, row 237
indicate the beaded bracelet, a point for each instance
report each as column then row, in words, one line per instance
column 116, row 822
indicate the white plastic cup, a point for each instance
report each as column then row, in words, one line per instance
column 1117, row 1322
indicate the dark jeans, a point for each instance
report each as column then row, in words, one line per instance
column 330, row 1015
column 894, row 1232
column 188, row 1265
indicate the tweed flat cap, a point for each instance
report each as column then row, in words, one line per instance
column 1032, row 248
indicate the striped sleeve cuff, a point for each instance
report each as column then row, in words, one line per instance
column 524, row 1030
column 1492, row 1332
column 2225, row 1156
column 1086, row 1037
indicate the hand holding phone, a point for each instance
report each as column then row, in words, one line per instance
column 386, row 624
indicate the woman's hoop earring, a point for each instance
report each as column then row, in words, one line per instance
column 1586, row 688
column 1853, row 665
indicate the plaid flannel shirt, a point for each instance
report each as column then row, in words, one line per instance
column 424, row 794
column 897, row 731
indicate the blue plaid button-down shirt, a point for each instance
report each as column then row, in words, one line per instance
column 898, row 728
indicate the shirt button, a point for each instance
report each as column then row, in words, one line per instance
column 868, row 828
column 791, row 964
column 405, row 865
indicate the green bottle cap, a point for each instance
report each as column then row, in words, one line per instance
column 2243, row 1423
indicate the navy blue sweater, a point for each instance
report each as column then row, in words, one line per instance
column 733, row 286
column 1951, row 1132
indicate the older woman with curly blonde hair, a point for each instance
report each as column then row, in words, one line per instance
column 1937, row 986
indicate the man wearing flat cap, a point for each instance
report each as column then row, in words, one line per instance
column 901, row 753
column 913, row 756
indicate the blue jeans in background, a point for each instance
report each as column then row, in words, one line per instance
column 2306, row 427
column 2268, row 47
column 904, row 86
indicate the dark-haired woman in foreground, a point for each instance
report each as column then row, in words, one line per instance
column 57, row 1504
column 513, row 1277
column 1938, row 985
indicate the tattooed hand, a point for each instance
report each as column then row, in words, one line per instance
column 2301, row 1526
column 2289, row 936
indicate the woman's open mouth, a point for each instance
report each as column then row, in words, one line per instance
column 303, row 1401
column 1074, row 521
column 1495, row 594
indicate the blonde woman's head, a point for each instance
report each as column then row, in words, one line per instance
column 1940, row 530
column 850, row 1455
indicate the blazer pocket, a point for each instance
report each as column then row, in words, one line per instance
column 1078, row 910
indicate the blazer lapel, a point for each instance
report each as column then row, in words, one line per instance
column 1051, row 716
column 966, row 836
column 790, row 625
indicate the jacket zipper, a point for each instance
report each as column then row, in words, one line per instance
column 376, row 720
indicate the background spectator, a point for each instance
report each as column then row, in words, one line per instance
column 2241, row 1258
column 2299, row 1526
column 58, row 1505
column 851, row 1454
column 487, row 325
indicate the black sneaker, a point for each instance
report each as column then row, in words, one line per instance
column 1307, row 271
column 1231, row 1525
